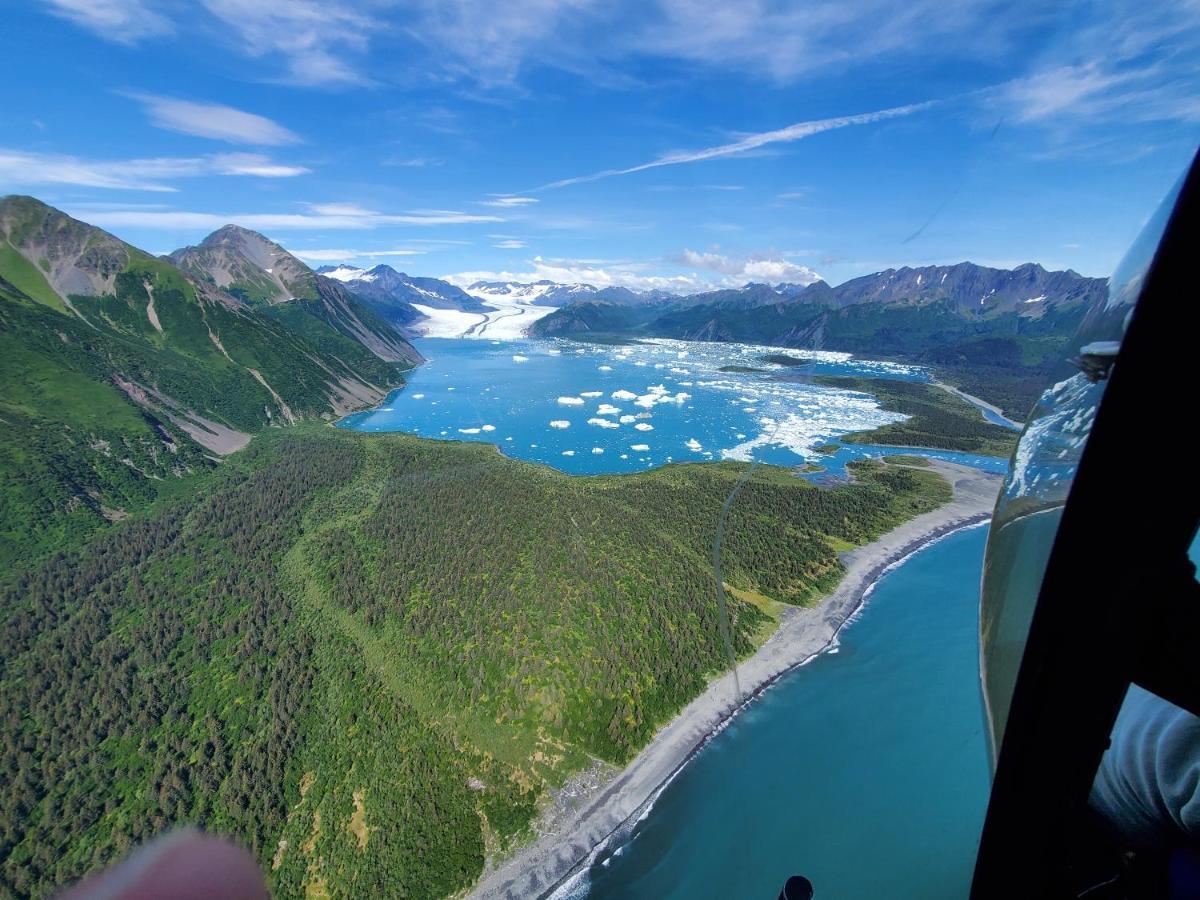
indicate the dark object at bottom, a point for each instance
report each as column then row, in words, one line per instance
column 797, row 888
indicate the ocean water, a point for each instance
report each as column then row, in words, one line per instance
column 864, row 770
column 592, row 409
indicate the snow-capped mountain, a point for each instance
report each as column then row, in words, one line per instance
column 551, row 293
column 341, row 273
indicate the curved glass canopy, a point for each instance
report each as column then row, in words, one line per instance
column 1041, row 474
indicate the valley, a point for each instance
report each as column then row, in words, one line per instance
column 243, row 611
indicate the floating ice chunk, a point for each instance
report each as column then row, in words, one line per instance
column 418, row 396
column 625, row 420
column 449, row 388
column 749, row 409
column 694, row 445
column 640, row 448
column 624, row 456
column 623, row 395
column 597, row 450
column 560, row 423
column 489, row 428
column 571, row 401
column 468, row 431
column 517, row 357
column 605, row 368
column 508, row 439
column 568, row 453
column 607, row 409
column 603, row 423
column 740, row 436
column 644, row 426
column 554, row 352
column 590, row 393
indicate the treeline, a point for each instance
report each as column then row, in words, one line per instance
column 936, row 418
column 367, row 657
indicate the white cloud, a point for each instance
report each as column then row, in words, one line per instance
column 761, row 269
column 254, row 164
column 331, row 216
column 336, row 255
column 1133, row 64
column 1094, row 93
column 214, row 120
column 317, row 41
column 412, row 162
column 122, row 21
column 508, row 202
column 152, row 174
column 796, row 132
column 784, row 40
column 570, row 271
column 509, row 244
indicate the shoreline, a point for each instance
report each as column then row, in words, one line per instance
column 592, row 807
column 980, row 404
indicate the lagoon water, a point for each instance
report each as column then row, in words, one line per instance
column 590, row 409
column 865, row 770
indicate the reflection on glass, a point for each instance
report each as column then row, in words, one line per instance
column 1039, row 479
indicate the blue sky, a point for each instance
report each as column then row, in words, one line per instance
column 659, row 143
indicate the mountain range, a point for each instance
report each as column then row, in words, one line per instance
column 994, row 332
column 124, row 372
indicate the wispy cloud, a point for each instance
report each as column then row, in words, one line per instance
column 750, row 142
column 760, row 268
column 1135, row 64
column 327, row 216
column 671, row 188
column 254, row 164
column 335, row 255
column 214, row 120
column 412, row 162
column 509, row 244
column 319, row 43
column 19, row 168
column 506, row 201
column 121, row 21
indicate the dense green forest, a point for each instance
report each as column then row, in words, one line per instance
column 936, row 418
column 366, row 657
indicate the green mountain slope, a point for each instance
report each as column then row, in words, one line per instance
column 259, row 271
column 122, row 375
column 369, row 656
